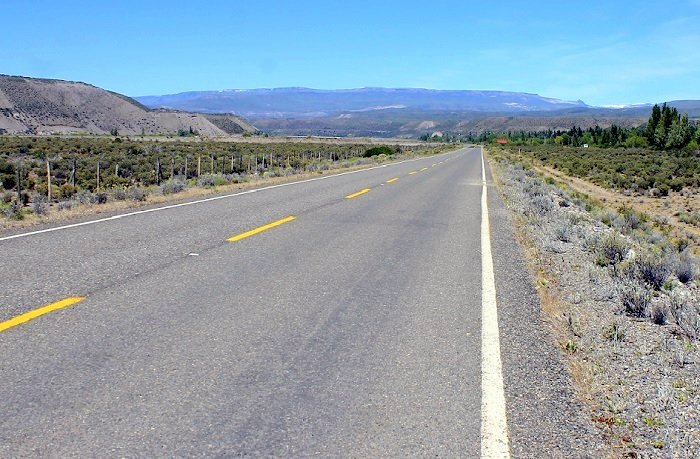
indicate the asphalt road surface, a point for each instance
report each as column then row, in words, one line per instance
column 338, row 317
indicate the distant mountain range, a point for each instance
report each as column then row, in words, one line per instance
column 42, row 106
column 32, row 105
column 315, row 103
column 403, row 112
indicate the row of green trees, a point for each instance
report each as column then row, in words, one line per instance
column 666, row 129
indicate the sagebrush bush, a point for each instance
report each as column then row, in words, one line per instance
column 607, row 217
column 685, row 268
column 205, row 181
column 535, row 188
column 83, row 197
column 173, row 187
column 40, row 205
column 686, row 314
column 653, row 268
column 591, row 241
column 659, row 314
column 67, row 204
column 136, row 194
column 612, row 249
column 119, row 194
column 635, row 298
column 540, row 205
column 564, row 232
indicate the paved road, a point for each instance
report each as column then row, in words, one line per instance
column 352, row 330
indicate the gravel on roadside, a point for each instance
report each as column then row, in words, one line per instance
column 623, row 300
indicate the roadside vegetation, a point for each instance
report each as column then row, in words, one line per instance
column 40, row 175
column 655, row 167
column 634, row 171
column 621, row 291
column 666, row 129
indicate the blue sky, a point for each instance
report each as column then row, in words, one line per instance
column 602, row 52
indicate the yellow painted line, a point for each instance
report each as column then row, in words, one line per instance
column 413, row 173
column 424, row 169
column 255, row 231
column 359, row 193
column 434, row 164
column 392, row 180
column 31, row 315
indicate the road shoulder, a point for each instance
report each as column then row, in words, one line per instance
column 546, row 417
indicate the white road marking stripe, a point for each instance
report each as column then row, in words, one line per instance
column 190, row 203
column 494, row 426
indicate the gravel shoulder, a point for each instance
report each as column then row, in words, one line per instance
column 620, row 297
column 546, row 417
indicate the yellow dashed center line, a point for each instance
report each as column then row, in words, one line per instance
column 433, row 165
column 413, row 173
column 27, row 316
column 359, row 193
column 255, row 231
column 424, row 169
column 392, row 180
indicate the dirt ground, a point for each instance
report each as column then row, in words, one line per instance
column 661, row 208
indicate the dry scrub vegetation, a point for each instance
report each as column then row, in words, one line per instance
column 621, row 293
column 65, row 178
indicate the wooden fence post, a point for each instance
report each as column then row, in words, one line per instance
column 18, row 204
column 48, row 179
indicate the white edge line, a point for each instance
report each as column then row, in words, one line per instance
column 494, row 425
column 200, row 201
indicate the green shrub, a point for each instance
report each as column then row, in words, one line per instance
column 376, row 151
column 612, row 249
column 220, row 180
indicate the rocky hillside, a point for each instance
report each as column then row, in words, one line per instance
column 40, row 106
